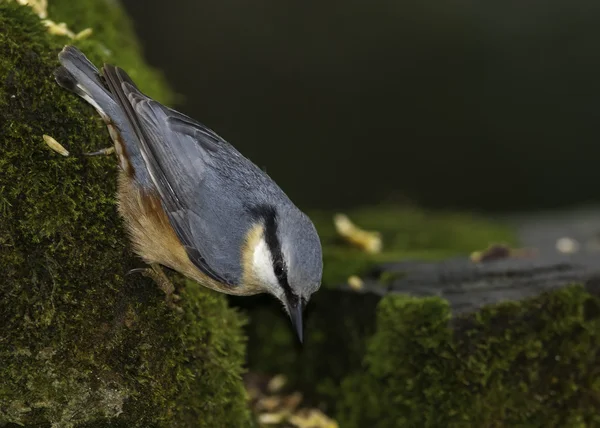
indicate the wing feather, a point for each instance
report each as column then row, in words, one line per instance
column 176, row 168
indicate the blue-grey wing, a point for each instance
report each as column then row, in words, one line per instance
column 185, row 162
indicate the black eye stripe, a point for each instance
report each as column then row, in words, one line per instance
column 268, row 215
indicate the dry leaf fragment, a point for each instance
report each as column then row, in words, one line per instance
column 55, row 145
column 312, row 418
column 58, row 29
column 272, row 418
column 276, row 383
column 83, row 34
column 368, row 241
column 499, row 252
column 268, row 403
column 281, row 410
column 355, row 283
column 40, row 7
column 493, row 252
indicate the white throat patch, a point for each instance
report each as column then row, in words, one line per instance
column 262, row 263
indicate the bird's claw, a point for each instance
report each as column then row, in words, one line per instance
column 155, row 273
column 103, row 152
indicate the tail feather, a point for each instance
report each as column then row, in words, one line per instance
column 78, row 66
column 79, row 75
column 65, row 79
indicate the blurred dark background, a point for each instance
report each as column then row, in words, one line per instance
column 487, row 106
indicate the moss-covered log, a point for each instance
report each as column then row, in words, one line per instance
column 436, row 343
column 533, row 363
column 82, row 343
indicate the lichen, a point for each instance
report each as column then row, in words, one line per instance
column 82, row 343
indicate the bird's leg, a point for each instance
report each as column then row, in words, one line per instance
column 104, row 152
column 156, row 273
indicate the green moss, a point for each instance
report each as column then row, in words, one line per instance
column 527, row 364
column 82, row 343
column 407, row 234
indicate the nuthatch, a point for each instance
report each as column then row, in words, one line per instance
column 192, row 202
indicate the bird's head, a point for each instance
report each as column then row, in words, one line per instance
column 286, row 259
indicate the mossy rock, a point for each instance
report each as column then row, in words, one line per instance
column 81, row 342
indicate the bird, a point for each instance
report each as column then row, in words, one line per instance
column 193, row 203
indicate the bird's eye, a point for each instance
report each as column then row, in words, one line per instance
column 278, row 268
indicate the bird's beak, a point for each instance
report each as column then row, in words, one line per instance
column 295, row 310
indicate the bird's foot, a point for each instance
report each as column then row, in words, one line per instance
column 156, row 273
column 104, row 152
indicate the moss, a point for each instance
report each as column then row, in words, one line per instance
column 339, row 323
column 531, row 364
column 82, row 343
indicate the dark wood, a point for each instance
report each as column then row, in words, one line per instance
column 468, row 285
